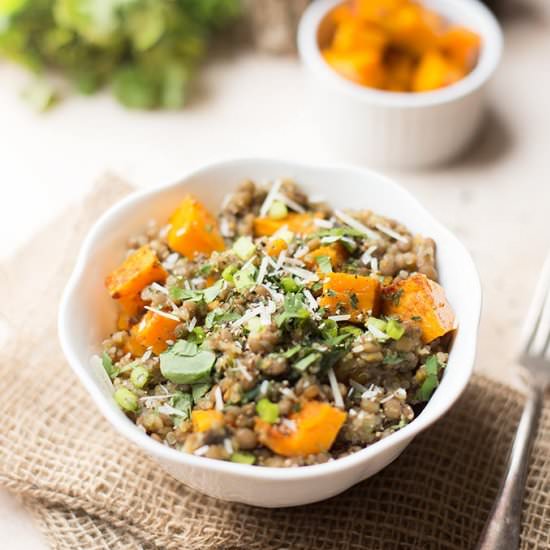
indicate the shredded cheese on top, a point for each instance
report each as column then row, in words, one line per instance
column 354, row 224
column 335, row 387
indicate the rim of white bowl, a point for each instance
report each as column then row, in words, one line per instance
column 129, row 430
column 491, row 53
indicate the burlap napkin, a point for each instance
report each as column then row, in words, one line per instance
column 89, row 488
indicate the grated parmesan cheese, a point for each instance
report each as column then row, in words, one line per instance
column 339, row 317
column 163, row 313
column 311, row 300
column 219, row 398
column 289, row 202
column 354, row 224
column 325, row 224
column 228, row 446
column 302, row 273
column 262, row 271
column 266, row 205
column 201, row 450
column 160, row 288
column 391, row 233
column 167, row 409
column 335, row 387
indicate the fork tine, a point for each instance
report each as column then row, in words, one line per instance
column 540, row 306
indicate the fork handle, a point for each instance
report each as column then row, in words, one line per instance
column 502, row 530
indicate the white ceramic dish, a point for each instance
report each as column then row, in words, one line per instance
column 87, row 315
column 398, row 129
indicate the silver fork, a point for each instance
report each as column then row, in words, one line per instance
column 502, row 530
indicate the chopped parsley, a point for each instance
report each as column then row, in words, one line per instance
column 431, row 382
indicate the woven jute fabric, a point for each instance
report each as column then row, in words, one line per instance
column 89, row 488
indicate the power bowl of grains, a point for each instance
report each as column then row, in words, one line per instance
column 271, row 332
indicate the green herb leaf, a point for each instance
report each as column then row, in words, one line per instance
column 245, row 278
column 211, row 293
column 267, row 411
column 184, row 364
column 339, row 232
column 184, row 403
column 392, row 358
column 108, row 365
column 185, row 294
column 291, row 352
column 294, row 308
column 427, row 388
column 432, row 365
column 431, row 382
column 250, row 395
column 199, row 390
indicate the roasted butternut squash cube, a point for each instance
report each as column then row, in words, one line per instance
column 461, row 46
column 348, row 294
column 423, row 301
column 414, row 28
column 362, row 67
column 343, row 12
column 317, row 425
column 206, row 420
column 297, row 223
column 275, row 247
column 336, row 253
column 194, row 230
column 353, row 35
column 137, row 271
column 152, row 331
column 376, row 11
column 435, row 71
column 399, row 71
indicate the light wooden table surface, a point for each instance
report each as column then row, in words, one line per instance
column 497, row 199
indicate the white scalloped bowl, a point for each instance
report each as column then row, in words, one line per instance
column 87, row 315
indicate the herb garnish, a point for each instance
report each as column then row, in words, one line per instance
column 184, row 363
column 431, row 382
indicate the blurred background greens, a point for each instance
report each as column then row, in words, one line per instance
column 146, row 51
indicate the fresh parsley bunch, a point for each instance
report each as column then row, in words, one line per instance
column 146, row 50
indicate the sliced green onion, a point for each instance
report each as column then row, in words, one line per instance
column 228, row 272
column 126, row 400
column 278, row 210
column 324, row 264
column 243, row 458
column 244, row 248
column 289, row 284
column 306, row 361
column 254, row 325
column 267, row 411
column 394, row 329
column 139, row 377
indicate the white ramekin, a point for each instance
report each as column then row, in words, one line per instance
column 87, row 315
column 405, row 130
